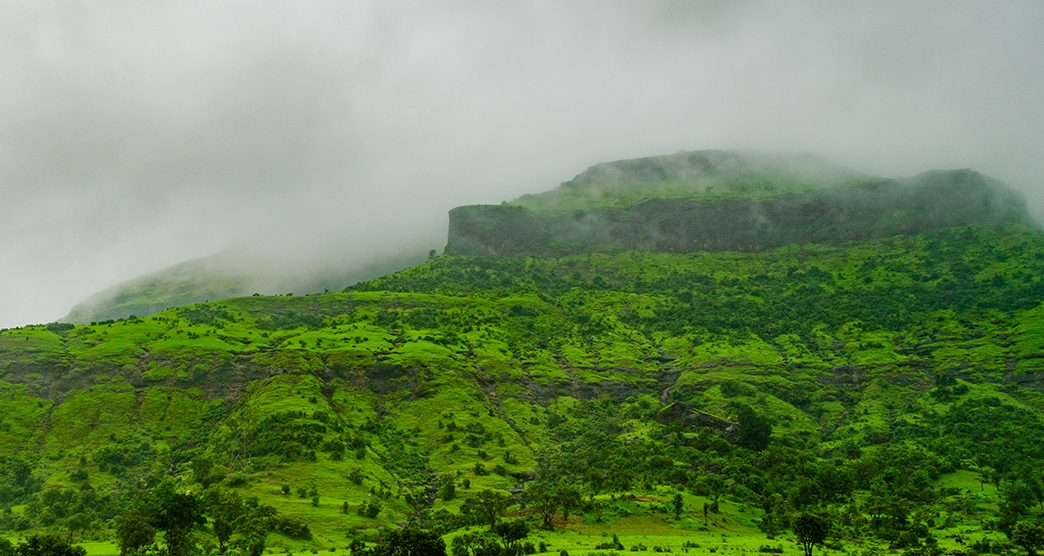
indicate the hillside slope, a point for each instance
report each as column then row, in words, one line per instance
column 898, row 370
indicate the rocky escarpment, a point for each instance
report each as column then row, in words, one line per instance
column 868, row 210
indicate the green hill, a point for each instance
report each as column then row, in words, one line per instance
column 700, row 175
column 225, row 275
column 892, row 384
column 723, row 201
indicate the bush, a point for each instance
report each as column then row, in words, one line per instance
column 48, row 545
column 355, row 476
column 370, row 508
column 615, row 544
column 291, row 527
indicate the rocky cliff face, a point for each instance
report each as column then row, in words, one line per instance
column 879, row 208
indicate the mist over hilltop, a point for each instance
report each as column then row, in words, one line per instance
column 727, row 201
column 133, row 138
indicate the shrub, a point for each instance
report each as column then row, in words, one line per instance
column 292, row 527
column 370, row 508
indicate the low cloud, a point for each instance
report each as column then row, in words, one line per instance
column 133, row 137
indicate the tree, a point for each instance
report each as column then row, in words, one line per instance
column 512, row 532
column 48, row 545
column 179, row 513
column 410, row 542
column 313, row 492
column 202, row 468
column 775, row 511
column 597, row 506
column 544, row 499
column 678, row 504
column 252, row 527
column 1029, row 536
column 1035, row 484
column 79, row 521
column 755, row 431
column 476, row 543
column 6, row 548
column 134, row 532
column 448, row 490
column 1018, row 497
column 253, row 530
column 811, row 529
column 370, row 508
column 712, row 484
column 568, row 498
column 487, row 506
column 888, row 513
column 224, row 507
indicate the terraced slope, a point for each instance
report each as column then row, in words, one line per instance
column 900, row 370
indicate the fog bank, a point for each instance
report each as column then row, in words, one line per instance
column 133, row 137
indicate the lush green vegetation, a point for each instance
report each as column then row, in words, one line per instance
column 878, row 394
column 703, row 175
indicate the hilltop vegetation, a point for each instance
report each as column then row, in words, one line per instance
column 727, row 201
column 893, row 384
column 699, row 175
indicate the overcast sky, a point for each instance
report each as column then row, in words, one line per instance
column 134, row 135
